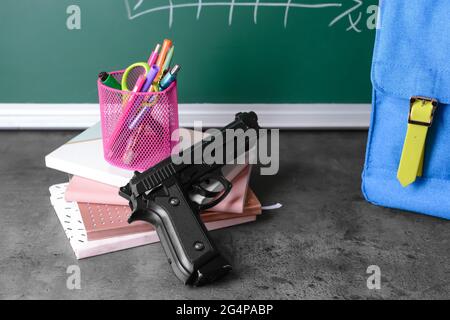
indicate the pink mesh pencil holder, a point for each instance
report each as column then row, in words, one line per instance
column 137, row 127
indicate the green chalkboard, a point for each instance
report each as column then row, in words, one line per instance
column 231, row 51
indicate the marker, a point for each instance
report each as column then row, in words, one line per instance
column 154, row 55
column 109, row 80
column 138, row 119
column 168, row 60
column 151, row 75
column 139, row 83
column 165, row 48
column 169, row 78
column 160, row 62
column 128, row 101
column 128, row 156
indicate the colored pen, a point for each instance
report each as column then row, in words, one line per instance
column 162, row 57
column 127, row 100
column 109, row 80
column 139, row 83
column 165, row 48
column 168, row 60
column 128, row 156
column 154, row 55
column 130, row 100
column 151, row 75
column 169, row 77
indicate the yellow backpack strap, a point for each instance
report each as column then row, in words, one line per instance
column 420, row 119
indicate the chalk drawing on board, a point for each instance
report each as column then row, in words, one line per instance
column 138, row 8
column 138, row 4
column 349, row 14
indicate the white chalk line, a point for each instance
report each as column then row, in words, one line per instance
column 230, row 16
column 255, row 12
column 358, row 4
column 138, row 4
column 286, row 13
column 170, row 13
column 354, row 25
column 199, row 9
column 234, row 4
column 127, row 6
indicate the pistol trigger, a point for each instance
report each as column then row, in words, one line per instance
column 160, row 191
column 227, row 188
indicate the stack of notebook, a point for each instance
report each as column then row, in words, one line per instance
column 94, row 216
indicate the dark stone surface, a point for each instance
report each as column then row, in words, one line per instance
column 317, row 246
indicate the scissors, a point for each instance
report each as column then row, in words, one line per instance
column 143, row 65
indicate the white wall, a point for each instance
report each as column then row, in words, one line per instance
column 290, row 116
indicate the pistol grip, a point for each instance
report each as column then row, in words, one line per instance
column 190, row 251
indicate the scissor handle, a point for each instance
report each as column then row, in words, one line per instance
column 128, row 70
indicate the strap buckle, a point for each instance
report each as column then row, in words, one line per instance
column 423, row 100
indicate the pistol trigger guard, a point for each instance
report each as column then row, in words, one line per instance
column 198, row 189
column 227, row 185
column 140, row 215
column 138, row 212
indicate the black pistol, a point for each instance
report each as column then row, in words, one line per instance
column 163, row 196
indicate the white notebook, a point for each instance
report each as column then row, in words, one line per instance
column 72, row 223
column 83, row 156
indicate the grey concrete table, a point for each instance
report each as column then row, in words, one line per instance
column 319, row 245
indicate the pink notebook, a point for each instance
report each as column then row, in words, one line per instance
column 89, row 191
column 106, row 221
column 69, row 215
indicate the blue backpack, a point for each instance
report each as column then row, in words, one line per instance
column 407, row 162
